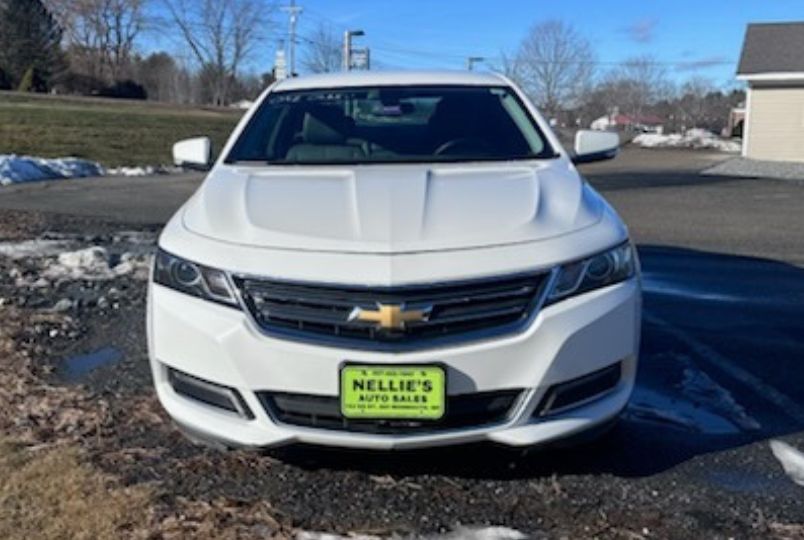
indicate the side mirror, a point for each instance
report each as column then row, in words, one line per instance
column 591, row 146
column 193, row 153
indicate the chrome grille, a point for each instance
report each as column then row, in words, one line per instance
column 460, row 311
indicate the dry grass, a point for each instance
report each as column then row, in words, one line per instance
column 50, row 493
column 112, row 132
column 48, row 489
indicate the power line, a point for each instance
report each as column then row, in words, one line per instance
column 293, row 12
column 455, row 58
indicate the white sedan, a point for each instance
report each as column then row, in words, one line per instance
column 394, row 260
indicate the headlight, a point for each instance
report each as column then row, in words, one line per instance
column 598, row 271
column 191, row 278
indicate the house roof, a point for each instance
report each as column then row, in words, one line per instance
column 645, row 120
column 773, row 48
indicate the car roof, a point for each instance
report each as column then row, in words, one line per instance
column 389, row 78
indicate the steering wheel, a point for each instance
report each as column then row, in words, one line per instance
column 472, row 143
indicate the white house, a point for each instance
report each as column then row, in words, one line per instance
column 772, row 63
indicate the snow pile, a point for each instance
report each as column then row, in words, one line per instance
column 694, row 138
column 791, row 459
column 94, row 263
column 15, row 169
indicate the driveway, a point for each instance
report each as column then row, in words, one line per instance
column 659, row 193
column 720, row 376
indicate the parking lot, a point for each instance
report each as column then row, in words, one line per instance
column 720, row 376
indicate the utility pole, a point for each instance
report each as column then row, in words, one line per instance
column 347, row 47
column 293, row 12
column 472, row 60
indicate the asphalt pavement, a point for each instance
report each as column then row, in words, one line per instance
column 721, row 358
column 659, row 193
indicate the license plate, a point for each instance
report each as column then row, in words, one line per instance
column 393, row 392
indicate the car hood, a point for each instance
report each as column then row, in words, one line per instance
column 392, row 208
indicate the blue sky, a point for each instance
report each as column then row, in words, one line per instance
column 694, row 37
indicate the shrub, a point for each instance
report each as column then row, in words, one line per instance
column 125, row 90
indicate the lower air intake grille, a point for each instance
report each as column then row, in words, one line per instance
column 323, row 412
column 393, row 318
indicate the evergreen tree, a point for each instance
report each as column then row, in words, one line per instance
column 30, row 39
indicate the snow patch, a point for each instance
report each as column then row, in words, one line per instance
column 460, row 533
column 243, row 104
column 94, row 263
column 693, row 138
column 308, row 535
column 148, row 170
column 650, row 406
column 702, row 389
column 703, row 405
column 792, row 460
column 485, row 533
column 17, row 169
column 32, row 248
column 131, row 171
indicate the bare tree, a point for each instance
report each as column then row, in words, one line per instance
column 221, row 34
column 554, row 64
column 694, row 107
column 636, row 84
column 322, row 53
column 101, row 34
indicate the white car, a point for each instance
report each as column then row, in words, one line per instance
column 394, row 260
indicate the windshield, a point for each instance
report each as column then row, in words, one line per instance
column 390, row 125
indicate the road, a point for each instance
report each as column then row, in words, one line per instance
column 720, row 376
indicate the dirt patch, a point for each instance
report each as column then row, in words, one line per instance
column 80, row 462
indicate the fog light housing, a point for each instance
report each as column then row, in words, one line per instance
column 577, row 392
column 211, row 394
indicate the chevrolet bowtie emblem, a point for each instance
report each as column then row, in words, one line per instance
column 392, row 316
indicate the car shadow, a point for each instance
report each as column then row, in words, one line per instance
column 721, row 343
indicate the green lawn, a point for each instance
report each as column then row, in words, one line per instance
column 112, row 132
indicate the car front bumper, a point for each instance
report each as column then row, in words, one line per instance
column 565, row 342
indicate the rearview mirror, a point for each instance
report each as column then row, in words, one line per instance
column 591, row 146
column 193, row 153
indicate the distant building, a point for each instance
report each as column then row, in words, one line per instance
column 280, row 65
column 772, row 63
column 736, row 123
column 642, row 123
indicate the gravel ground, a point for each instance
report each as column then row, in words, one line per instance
column 752, row 168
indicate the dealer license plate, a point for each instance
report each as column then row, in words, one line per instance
column 393, row 392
